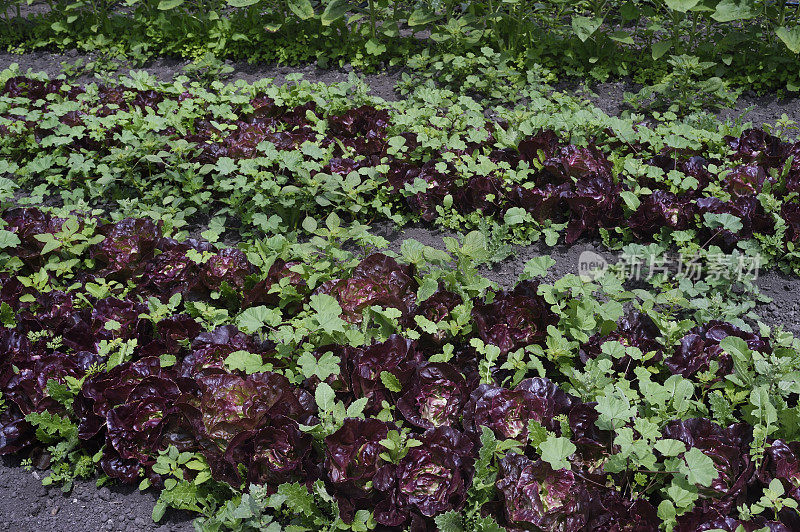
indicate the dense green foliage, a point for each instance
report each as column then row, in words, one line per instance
column 752, row 43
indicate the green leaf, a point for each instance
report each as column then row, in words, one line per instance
column 698, row 467
column 8, row 239
column 681, row 6
column 327, row 311
column 254, row 319
column 670, row 447
column 302, row 8
column 731, row 10
column 585, row 27
column 537, row 267
column 790, row 37
column 631, row 200
column 421, row 16
column 335, row 10
column 555, row 451
column 166, row 5
column 374, row 47
column 427, row 288
column 244, row 361
column 449, row 522
column 514, row 216
column 325, row 397
column 660, row 48
column 242, row 3
column 391, row 382
column 324, row 367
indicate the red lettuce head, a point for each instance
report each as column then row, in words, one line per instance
column 127, row 246
column 537, row 497
column 397, row 356
column 352, row 454
column 271, row 455
column 508, row 412
column 431, row 479
column 727, row 447
column 436, row 396
column 229, row 266
column 701, row 346
column 377, row 280
column 514, row 319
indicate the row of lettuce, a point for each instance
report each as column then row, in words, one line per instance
column 265, row 159
column 410, row 396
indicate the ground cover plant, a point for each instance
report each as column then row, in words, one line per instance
column 751, row 43
column 192, row 302
column 263, row 159
column 300, row 386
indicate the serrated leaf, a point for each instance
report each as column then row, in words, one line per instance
column 731, row 10
column 555, row 451
column 421, row 16
column 698, row 467
column 244, row 361
column 166, row 5
column 8, row 239
column 335, row 10
column 538, row 266
column 391, row 382
column 584, row 27
column 681, row 6
column 449, row 522
column 327, row 314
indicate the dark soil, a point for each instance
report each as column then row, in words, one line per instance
column 27, row 506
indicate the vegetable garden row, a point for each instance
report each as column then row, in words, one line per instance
column 191, row 301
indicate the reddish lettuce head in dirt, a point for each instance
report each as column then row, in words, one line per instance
column 397, row 356
column 515, row 318
column 508, row 412
column 352, row 454
column 700, row 348
column 271, row 455
column 377, row 280
column 127, row 246
column 435, row 396
column 633, row 330
column 432, row 479
column 536, row 497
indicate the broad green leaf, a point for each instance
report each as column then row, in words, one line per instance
column 421, row 16
column 537, row 267
column 302, row 8
column 681, row 5
column 324, row 367
column 427, row 288
column 555, row 450
column 670, row 447
column 8, row 239
column 254, row 319
column 327, row 311
column 731, row 10
column 242, row 3
column 660, row 48
column 585, row 27
column 335, row 10
column 391, row 382
column 790, row 37
column 514, row 216
column 325, row 397
column 244, row 361
column 698, row 467
column 166, row 5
